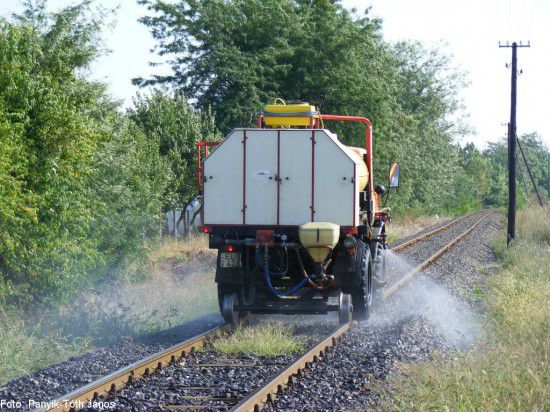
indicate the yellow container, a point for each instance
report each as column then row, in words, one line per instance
column 319, row 238
column 357, row 154
column 286, row 115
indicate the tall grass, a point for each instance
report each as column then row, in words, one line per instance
column 25, row 347
column 510, row 372
column 267, row 339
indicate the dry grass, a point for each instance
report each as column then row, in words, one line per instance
column 184, row 251
column 511, row 372
column 403, row 226
column 267, row 339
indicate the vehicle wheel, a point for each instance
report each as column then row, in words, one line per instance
column 345, row 308
column 230, row 296
column 227, row 307
column 362, row 295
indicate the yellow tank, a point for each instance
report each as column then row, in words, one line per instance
column 358, row 155
column 280, row 114
column 319, row 238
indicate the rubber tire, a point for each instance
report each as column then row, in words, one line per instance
column 345, row 308
column 361, row 296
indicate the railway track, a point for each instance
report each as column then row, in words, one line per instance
column 283, row 376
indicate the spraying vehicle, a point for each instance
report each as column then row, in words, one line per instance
column 295, row 216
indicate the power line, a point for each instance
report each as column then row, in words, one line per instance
column 530, row 174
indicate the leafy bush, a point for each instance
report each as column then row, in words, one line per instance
column 81, row 185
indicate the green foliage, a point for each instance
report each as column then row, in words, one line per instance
column 170, row 121
column 81, row 185
column 537, row 156
column 235, row 56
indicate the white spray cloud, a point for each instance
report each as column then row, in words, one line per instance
column 424, row 297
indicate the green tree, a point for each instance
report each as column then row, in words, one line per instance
column 169, row 120
column 237, row 55
column 538, row 158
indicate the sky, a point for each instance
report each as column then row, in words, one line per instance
column 469, row 30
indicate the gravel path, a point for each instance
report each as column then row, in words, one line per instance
column 475, row 258
column 423, row 249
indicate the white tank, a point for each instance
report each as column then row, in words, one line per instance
column 286, row 177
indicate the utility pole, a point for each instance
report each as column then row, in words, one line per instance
column 512, row 127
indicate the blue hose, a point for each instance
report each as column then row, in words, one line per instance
column 281, row 294
column 268, row 275
column 261, row 264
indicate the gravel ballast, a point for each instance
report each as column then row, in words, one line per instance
column 57, row 380
column 435, row 313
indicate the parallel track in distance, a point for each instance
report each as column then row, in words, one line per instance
column 405, row 279
column 423, row 236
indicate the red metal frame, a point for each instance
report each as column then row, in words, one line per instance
column 312, row 207
column 202, row 147
column 244, row 176
column 278, row 176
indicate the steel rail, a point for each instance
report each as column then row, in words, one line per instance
column 117, row 380
column 405, row 279
column 277, row 383
column 432, row 232
column 254, row 401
